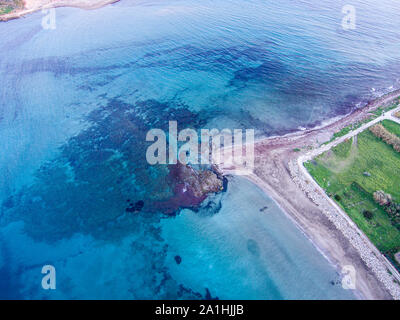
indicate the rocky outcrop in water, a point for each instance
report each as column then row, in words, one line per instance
column 191, row 187
column 85, row 187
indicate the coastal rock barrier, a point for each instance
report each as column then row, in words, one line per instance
column 375, row 261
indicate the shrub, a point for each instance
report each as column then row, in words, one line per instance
column 381, row 132
column 337, row 197
column 368, row 214
column 382, row 198
column 391, row 208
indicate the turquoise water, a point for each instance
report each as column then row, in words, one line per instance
column 77, row 101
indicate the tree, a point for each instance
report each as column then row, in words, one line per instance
column 337, row 197
column 368, row 214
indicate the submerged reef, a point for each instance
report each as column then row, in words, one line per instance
column 191, row 188
column 85, row 188
column 100, row 184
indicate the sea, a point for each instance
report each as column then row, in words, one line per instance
column 79, row 90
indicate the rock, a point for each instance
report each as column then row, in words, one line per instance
column 178, row 259
column 190, row 187
column 200, row 182
column 397, row 257
column 208, row 295
column 224, row 183
column 138, row 206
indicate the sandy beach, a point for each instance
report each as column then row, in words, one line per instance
column 31, row 6
column 272, row 173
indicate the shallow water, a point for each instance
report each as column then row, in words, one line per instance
column 76, row 102
column 251, row 242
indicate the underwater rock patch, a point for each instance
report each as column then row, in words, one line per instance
column 191, row 188
column 178, row 259
column 135, row 207
column 86, row 186
column 253, row 248
column 209, row 297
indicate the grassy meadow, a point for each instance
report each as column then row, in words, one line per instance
column 391, row 126
column 352, row 171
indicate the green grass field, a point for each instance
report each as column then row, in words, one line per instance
column 5, row 10
column 352, row 171
column 392, row 126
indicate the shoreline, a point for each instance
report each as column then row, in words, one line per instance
column 275, row 161
column 273, row 175
column 32, row 6
column 264, row 187
column 338, row 121
column 359, row 294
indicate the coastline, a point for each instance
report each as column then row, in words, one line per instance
column 280, row 148
column 275, row 161
column 359, row 294
column 32, row 6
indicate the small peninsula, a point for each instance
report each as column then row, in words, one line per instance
column 13, row 9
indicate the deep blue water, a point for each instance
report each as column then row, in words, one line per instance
column 77, row 101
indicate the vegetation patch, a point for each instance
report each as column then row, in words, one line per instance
column 373, row 115
column 5, row 10
column 350, row 128
column 392, row 208
column 352, row 172
column 392, row 127
column 381, row 110
column 382, row 133
column 7, row 6
column 343, row 132
column 368, row 214
column 342, row 150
